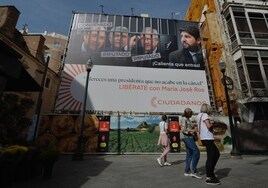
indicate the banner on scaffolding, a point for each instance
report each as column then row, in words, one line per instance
column 140, row 65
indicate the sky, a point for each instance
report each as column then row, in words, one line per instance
column 56, row 15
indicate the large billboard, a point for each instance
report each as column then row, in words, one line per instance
column 140, row 65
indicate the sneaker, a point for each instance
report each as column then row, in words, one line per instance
column 215, row 178
column 187, row 174
column 213, row 181
column 195, row 175
column 167, row 164
column 159, row 161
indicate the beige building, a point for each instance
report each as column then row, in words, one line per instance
column 56, row 44
column 31, row 52
column 54, row 48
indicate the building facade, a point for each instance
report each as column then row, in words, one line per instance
column 236, row 32
column 24, row 61
column 54, row 48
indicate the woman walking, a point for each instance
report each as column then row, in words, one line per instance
column 188, row 130
column 164, row 141
column 207, row 139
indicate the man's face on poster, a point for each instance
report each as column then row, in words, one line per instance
column 149, row 42
column 189, row 42
column 120, row 40
column 94, row 39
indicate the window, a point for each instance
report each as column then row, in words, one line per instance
column 57, row 44
column 231, row 30
column 253, row 69
column 265, row 65
column 264, row 54
column 256, row 80
column 259, row 25
column 47, row 82
column 47, row 54
column 250, row 53
column 261, row 111
column 242, row 25
column 241, row 75
column 254, row 73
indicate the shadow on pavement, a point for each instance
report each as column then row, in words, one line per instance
column 67, row 173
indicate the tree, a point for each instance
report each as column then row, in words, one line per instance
column 13, row 121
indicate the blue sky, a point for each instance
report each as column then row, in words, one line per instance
column 56, row 15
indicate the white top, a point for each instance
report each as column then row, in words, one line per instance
column 162, row 127
column 204, row 132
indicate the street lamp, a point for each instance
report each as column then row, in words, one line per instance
column 235, row 152
column 78, row 154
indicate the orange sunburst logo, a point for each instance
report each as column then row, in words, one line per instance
column 68, row 97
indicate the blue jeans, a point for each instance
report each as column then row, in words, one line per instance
column 192, row 155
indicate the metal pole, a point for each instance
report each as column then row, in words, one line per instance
column 235, row 152
column 102, row 12
column 119, row 135
column 78, row 154
column 39, row 102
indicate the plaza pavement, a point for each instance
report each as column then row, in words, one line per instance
column 143, row 171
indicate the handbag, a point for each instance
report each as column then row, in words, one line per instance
column 197, row 135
